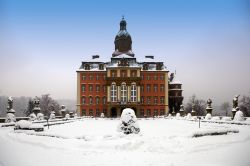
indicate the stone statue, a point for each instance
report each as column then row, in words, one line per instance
column 10, row 103
column 36, row 108
column 209, row 102
column 235, row 101
column 209, row 107
column 10, row 117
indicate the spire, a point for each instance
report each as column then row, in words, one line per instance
column 123, row 24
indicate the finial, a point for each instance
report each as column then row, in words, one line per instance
column 122, row 17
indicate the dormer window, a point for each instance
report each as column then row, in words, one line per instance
column 87, row 67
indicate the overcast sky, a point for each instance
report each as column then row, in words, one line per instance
column 43, row 42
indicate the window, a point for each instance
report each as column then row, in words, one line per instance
column 90, row 77
column 155, row 112
column 124, row 73
column 123, row 92
column 83, row 88
column 162, row 99
column 155, row 77
column 97, row 99
column 142, row 88
column 148, row 100
column 90, row 100
column 148, row 77
column 90, row 88
column 83, row 76
column 162, row 77
column 155, row 88
column 155, row 100
column 142, row 77
column 142, row 112
column 83, row 112
column 148, row 112
column 113, row 73
column 90, row 112
column 83, row 100
column 162, row 112
column 142, row 99
column 162, row 88
column 133, row 73
column 133, row 93
column 104, row 88
column 97, row 112
column 104, row 77
column 113, row 92
column 97, row 77
column 148, row 87
column 104, row 100
column 97, row 88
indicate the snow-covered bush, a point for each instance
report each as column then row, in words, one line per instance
column 32, row 116
column 129, row 123
column 227, row 118
column 216, row 118
column 178, row 115
column 208, row 116
column 67, row 116
column 23, row 124
column 102, row 115
column 10, row 118
column 27, row 125
column 52, row 115
column 40, row 116
column 239, row 116
column 248, row 119
column 189, row 116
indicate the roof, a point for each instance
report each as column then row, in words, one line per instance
column 175, row 80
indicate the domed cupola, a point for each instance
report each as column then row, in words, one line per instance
column 123, row 41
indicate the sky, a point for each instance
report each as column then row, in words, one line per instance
column 43, row 42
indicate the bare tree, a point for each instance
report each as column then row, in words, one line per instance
column 225, row 107
column 47, row 104
column 199, row 105
column 245, row 105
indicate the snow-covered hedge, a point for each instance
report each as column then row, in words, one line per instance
column 10, row 118
column 128, row 123
column 239, row 116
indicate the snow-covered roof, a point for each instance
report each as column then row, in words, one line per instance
column 123, row 56
column 175, row 80
column 123, row 32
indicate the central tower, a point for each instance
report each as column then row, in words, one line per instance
column 123, row 41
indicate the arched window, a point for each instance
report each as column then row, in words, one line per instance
column 133, row 93
column 83, row 100
column 104, row 100
column 90, row 100
column 97, row 100
column 123, row 92
column 113, row 92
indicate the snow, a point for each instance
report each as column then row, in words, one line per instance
column 10, row 117
column 208, row 116
column 161, row 142
column 239, row 116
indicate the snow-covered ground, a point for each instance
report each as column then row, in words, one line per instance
column 161, row 142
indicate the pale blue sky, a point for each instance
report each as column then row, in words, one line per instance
column 43, row 42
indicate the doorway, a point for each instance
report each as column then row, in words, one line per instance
column 113, row 112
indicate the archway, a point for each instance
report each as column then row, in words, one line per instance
column 113, row 112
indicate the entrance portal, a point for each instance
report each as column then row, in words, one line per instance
column 113, row 112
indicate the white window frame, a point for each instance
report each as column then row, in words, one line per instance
column 133, row 92
column 113, row 92
column 123, row 92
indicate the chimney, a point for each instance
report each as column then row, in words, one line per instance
column 149, row 56
column 95, row 56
